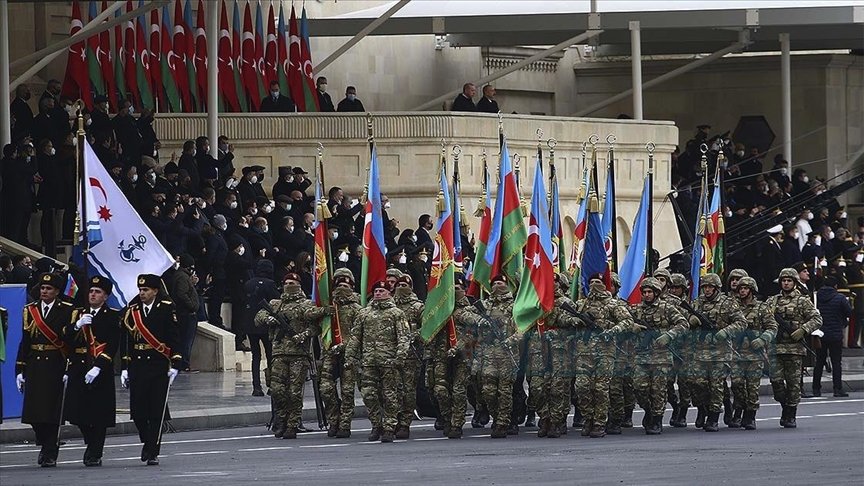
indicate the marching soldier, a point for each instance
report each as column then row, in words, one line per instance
column 622, row 399
column 340, row 405
column 657, row 324
column 796, row 318
column 150, row 360
column 747, row 368
column 735, row 275
column 94, row 335
column 292, row 324
column 722, row 319
column 406, row 300
column 734, row 278
column 41, row 365
column 379, row 343
column 682, row 349
column 604, row 317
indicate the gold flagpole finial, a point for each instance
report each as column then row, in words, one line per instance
column 481, row 203
column 650, row 148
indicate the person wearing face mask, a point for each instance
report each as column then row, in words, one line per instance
column 791, row 250
column 259, row 289
column 800, row 182
column 100, row 120
column 276, row 102
column 20, row 109
column 780, row 171
column 20, row 173
column 216, row 254
column 247, row 188
column 803, row 226
column 50, row 195
column 299, row 181
column 228, row 206
column 208, row 166
column 418, row 268
column 812, row 250
column 239, row 262
column 350, row 103
column 260, row 240
column 424, row 226
column 188, row 163
column 184, row 292
column 282, row 186
column 412, row 307
column 128, row 136
column 325, row 104
column 770, row 258
column 225, row 157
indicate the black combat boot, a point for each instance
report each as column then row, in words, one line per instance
column 554, row 430
column 681, row 417
column 439, row 422
column 784, row 416
column 627, row 421
column 343, row 433
column 279, row 431
column 646, row 419
column 484, row 417
column 598, row 431
column 386, row 436
column 403, row 432
column 543, row 431
column 513, row 429
column 331, row 431
column 374, row 435
column 529, row 419
column 650, row 424
column 749, row 420
column 727, row 411
column 498, row 432
column 839, row 393
column 290, row 433
column 562, row 429
column 711, row 422
column 613, row 427
column 475, row 422
column 454, row 433
column 790, row 417
column 735, row 423
column 586, row 427
column 700, row 417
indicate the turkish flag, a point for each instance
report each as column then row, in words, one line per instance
column 177, row 58
column 271, row 56
column 250, row 75
column 295, row 73
column 128, row 53
column 201, row 54
column 155, row 60
column 227, row 88
column 103, row 54
column 76, row 83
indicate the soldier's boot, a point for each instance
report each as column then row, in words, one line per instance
column 613, row 427
column 279, row 431
column 529, row 419
column 627, row 422
column 403, row 432
column 648, row 423
column 543, row 431
column 475, row 422
column 513, row 429
column 737, row 418
column 562, row 428
column 711, row 422
column 374, row 434
column 749, row 420
column 290, row 433
column 498, row 432
column 439, row 423
column 554, row 430
column 331, row 431
column 700, row 417
column 343, row 433
column 783, row 416
column 586, row 426
column 598, row 431
column 790, row 418
column 578, row 420
column 658, row 424
column 455, row 433
column 446, row 430
column 387, row 436
column 680, row 417
column 727, row 411
column 484, row 417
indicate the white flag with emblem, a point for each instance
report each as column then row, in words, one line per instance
column 121, row 245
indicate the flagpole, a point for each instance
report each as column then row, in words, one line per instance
column 722, row 163
column 81, row 214
column 593, row 139
column 611, row 164
column 649, row 260
column 371, row 139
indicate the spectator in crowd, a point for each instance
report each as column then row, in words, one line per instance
column 150, row 144
column 276, row 102
column 184, row 293
column 217, row 252
column 238, row 265
column 771, row 258
column 259, row 289
column 188, row 163
column 20, row 169
column 465, row 100
column 424, row 226
column 791, row 251
column 48, row 124
column 283, row 184
column 100, row 122
column 22, row 270
column 226, row 159
column 51, row 188
column 325, row 104
column 299, row 181
column 835, row 311
column 207, row 164
column 350, row 103
column 487, row 103
column 52, row 90
column 127, row 133
column 20, row 109
column 800, row 182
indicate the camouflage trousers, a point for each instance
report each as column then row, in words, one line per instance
column 449, row 385
column 379, row 386
column 708, row 381
column 621, row 390
column 549, row 386
column 407, row 391
column 785, row 373
column 496, row 382
column 745, row 384
column 593, row 376
column 337, row 391
column 680, row 375
column 287, row 376
column 650, row 383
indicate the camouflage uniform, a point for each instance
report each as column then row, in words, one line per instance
column 713, row 349
column 339, row 398
column 290, row 355
column 747, row 368
column 408, row 303
column 788, row 352
column 496, row 350
column 595, row 355
column 622, row 398
column 658, row 324
column 379, row 344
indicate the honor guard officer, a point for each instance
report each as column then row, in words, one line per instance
column 94, row 335
column 150, row 362
column 41, row 365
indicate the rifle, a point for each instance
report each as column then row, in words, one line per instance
column 705, row 323
column 590, row 323
column 786, row 327
column 283, row 324
column 493, row 324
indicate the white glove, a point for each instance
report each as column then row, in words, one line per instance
column 818, row 333
column 19, row 382
column 84, row 320
column 65, row 379
column 172, row 373
column 91, row 375
column 124, row 378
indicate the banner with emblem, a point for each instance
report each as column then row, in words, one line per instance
column 119, row 246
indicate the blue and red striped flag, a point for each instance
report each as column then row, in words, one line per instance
column 608, row 210
column 594, row 258
column 374, row 263
column 559, row 261
column 579, row 237
column 633, row 267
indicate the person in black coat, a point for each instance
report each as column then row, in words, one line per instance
column 150, row 143
column 424, row 226
column 184, row 293
column 770, row 261
column 487, row 103
column 50, row 123
column 325, row 104
column 217, row 252
column 207, row 164
column 20, row 109
column 50, row 195
column 100, row 122
column 40, row 366
column 465, row 100
column 189, row 164
column 19, row 198
column 259, row 289
column 238, row 263
column 128, row 135
column 277, row 102
column 791, row 251
column 835, row 310
column 350, row 104
column 94, row 336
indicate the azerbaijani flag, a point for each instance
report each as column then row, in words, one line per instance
column 321, row 270
column 374, row 263
column 536, row 295
column 634, row 264
column 594, row 260
column 714, row 231
column 480, row 274
column 579, row 236
column 508, row 235
column 608, row 210
column 697, row 257
column 456, row 209
column 71, row 289
column 441, row 299
column 559, row 262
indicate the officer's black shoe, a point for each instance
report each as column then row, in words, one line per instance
column 439, row 423
column 627, row 422
column 711, row 422
column 840, row 394
column 343, row 434
column 145, row 453
column 49, row 462
column 790, row 418
column 154, row 461
column 749, row 420
column 700, row 417
column 513, row 430
column 784, row 416
column 41, row 458
column 374, row 435
column 737, row 417
column 817, row 392
column 93, row 462
column 455, row 433
column 387, row 436
column 257, row 392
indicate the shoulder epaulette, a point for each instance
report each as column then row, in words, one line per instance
column 113, row 309
column 167, row 302
column 63, row 302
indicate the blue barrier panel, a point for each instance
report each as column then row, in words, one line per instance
column 12, row 298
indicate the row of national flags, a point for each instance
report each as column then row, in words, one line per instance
column 159, row 61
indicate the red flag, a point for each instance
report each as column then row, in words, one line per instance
column 129, row 57
column 76, row 83
column 295, row 74
column 201, row 53
column 142, row 70
column 271, row 56
column 155, row 61
column 310, row 91
column 227, row 88
column 175, row 48
column 250, row 76
column 103, row 54
column 260, row 42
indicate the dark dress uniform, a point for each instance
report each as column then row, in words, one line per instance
column 42, row 361
column 148, row 365
column 92, row 406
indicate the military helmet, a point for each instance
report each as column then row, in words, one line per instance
column 563, row 280
column 343, row 274
column 677, row 280
column 738, row 273
column 710, row 279
column 748, row 282
column 788, row 273
column 652, row 283
column 394, row 272
column 663, row 272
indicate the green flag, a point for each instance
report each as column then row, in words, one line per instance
column 441, row 299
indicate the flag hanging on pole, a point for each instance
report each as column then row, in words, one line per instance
column 260, row 43
column 441, row 299
column 201, row 57
column 103, row 56
column 321, row 265
column 715, row 229
column 510, row 235
column 282, row 65
column 608, row 219
column 117, row 58
column 480, row 274
column 129, row 54
column 142, row 61
column 76, row 83
column 456, row 209
column 295, row 68
column 536, row 295
column 94, row 69
column 227, row 67
column 177, row 61
column 250, row 75
column 271, row 52
column 633, row 267
column 697, row 256
column 156, row 61
column 559, row 260
column 310, row 92
column 237, row 49
column 374, row 263
column 594, row 259
column 579, row 236
column 189, row 35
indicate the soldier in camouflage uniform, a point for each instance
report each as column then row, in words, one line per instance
column 392, row 278
column 664, row 277
column 406, row 300
column 339, row 397
column 451, row 365
column 682, row 352
column 379, row 343
column 498, row 344
column 595, row 353
column 747, row 368
column 657, row 323
column 291, row 347
column 797, row 318
column 735, row 275
column 713, row 350
column 622, row 396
